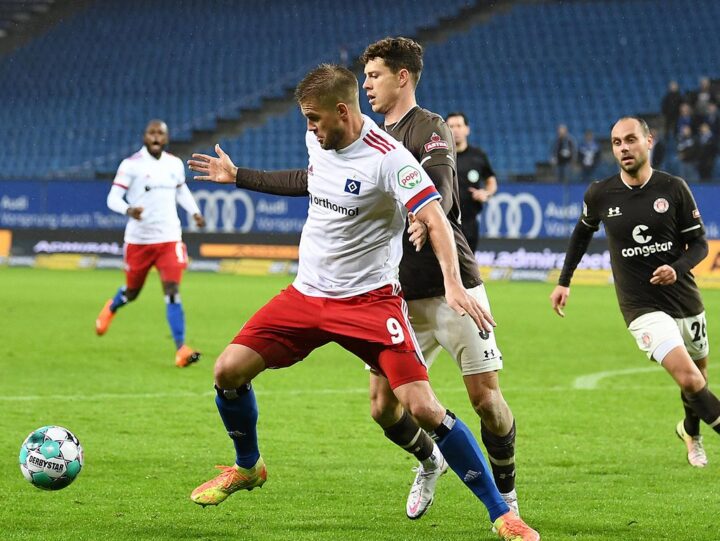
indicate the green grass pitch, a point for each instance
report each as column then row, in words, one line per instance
column 600, row 462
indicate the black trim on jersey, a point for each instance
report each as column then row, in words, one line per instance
column 578, row 245
column 290, row 182
column 695, row 251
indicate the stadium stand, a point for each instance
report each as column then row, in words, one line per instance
column 81, row 93
column 525, row 71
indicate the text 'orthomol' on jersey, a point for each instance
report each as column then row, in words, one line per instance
column 156, row 185
column 647, row 226
column 351, row 242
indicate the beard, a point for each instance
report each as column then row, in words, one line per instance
column 332, row 139
column 633, row 167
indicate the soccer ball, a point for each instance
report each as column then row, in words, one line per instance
column 51, row 457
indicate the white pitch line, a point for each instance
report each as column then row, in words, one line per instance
column 176, row 394
column 590, row 381
column 310, row 391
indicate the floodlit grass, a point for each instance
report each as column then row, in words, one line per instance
column 593, row 464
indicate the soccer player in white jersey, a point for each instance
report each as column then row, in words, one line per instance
column 361, row 184
column 147, row 188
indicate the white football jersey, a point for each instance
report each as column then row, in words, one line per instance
column 157, row 185
column 359, row 197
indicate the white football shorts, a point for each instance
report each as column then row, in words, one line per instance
column 657, row 333
column 438, row 326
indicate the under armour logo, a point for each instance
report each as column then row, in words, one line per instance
column 471, row 476
column 352, row 186
column 614, row 211
column 490, row 353
column 236, row 434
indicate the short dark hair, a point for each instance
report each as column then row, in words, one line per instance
column 643, row 124
column 329, row 84
column 460, row 114
column 398, row 53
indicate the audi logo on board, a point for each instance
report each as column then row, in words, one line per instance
column 513, row 216
column 220, row 209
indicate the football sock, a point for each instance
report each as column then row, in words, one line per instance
column 175, row 318
column 119, row 299
column 706, row 406
column 692, row 421
column 465, row 458
column 501, row 452
column 407, row 434
column 238, row 410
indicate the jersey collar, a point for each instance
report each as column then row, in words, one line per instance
column 639, row 186
column 146, row 154
column 366, row 127
column 391, row 127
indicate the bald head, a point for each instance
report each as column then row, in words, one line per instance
column 631, row 143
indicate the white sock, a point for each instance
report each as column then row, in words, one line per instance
column 434, row 461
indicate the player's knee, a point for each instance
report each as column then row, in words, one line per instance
column 171, row 288
column 227, row 373
column 427, row 414
column 384, row 411
column 488, row 403
column 691, row 381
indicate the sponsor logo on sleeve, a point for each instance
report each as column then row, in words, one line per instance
column 435, row 143
column 409, row 177
column 661, row 205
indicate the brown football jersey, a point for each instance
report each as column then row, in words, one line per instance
column 429, row 139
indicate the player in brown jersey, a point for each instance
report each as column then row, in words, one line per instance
column 656, row 237
column 392, row 70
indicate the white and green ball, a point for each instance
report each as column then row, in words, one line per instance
column 51, row 457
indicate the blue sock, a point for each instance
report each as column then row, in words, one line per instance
column 175, row 318
column 239, row 413
column 464, row 456
column 119, row 299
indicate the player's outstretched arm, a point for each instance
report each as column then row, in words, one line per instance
column 291, row 182
column 443, row 244
column 559, row 298
column 220, row 169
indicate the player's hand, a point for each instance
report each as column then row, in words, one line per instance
column 664, row 275
column 199, row 220
column 220, row 169
column 463, row 303
column 418, row 232
column 559, row 298
column 135, row 212
column 478, row 194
